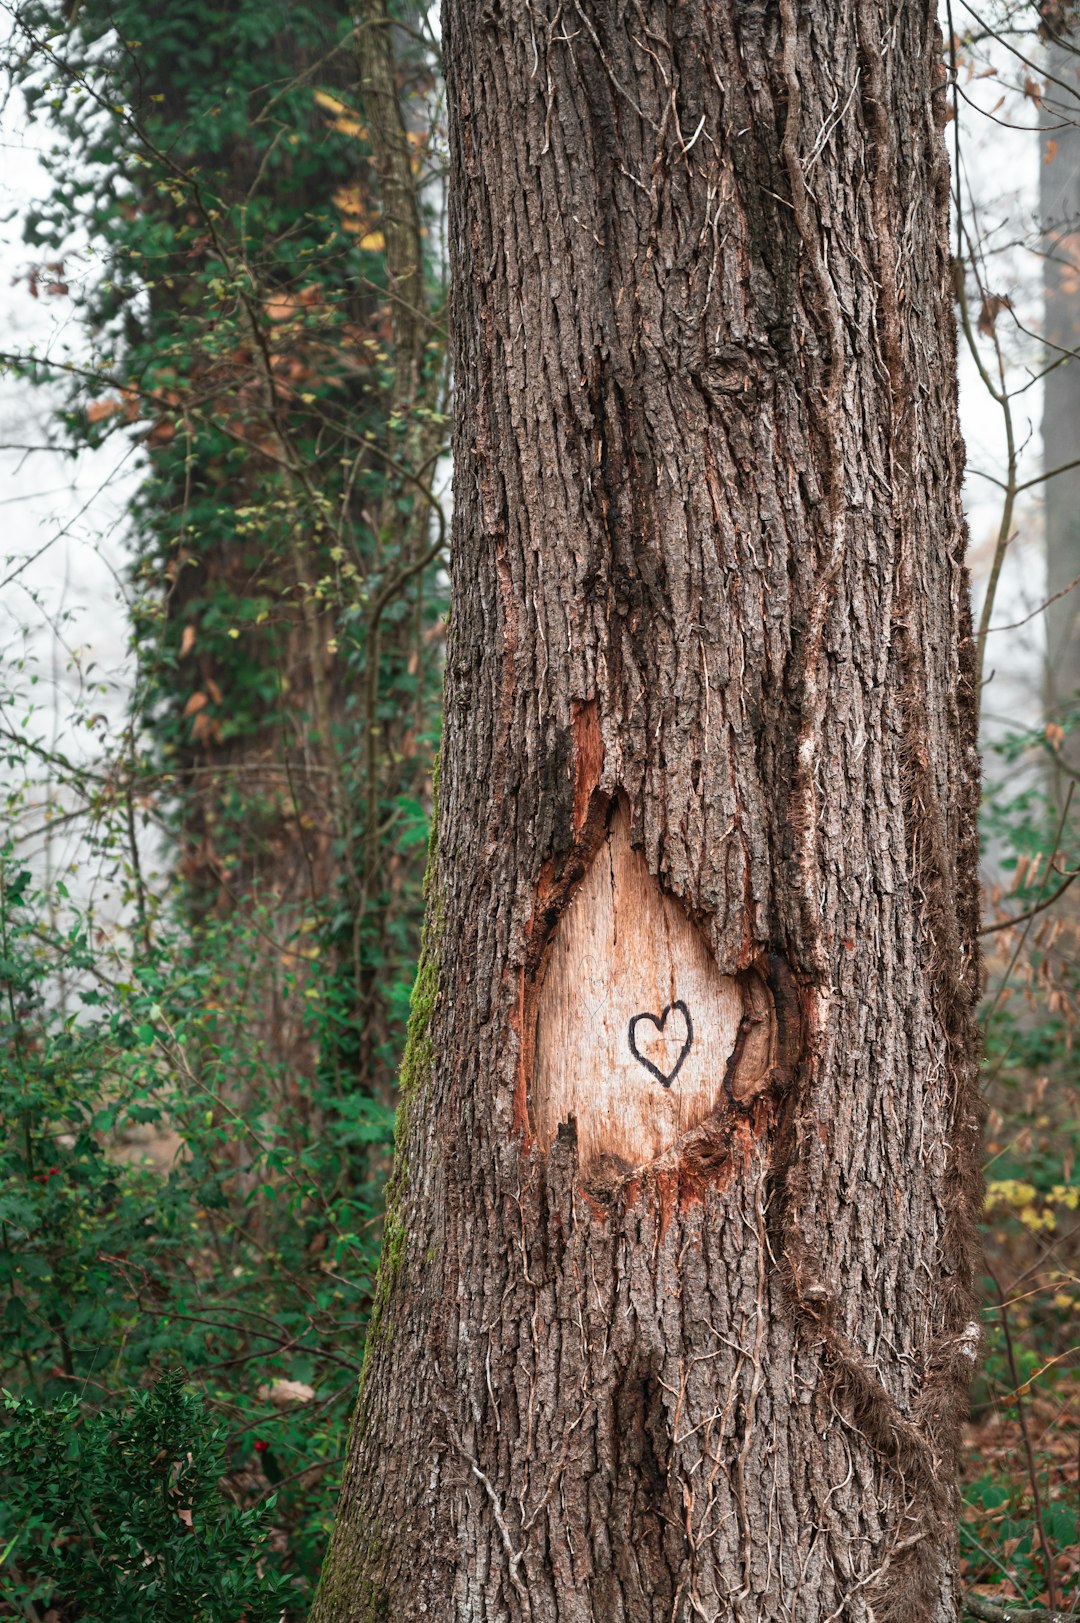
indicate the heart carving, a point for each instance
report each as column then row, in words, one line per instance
column 665, row 1079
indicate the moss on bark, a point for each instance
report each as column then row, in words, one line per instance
column 413, row 1077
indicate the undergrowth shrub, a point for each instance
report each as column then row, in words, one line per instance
column 120, row 1517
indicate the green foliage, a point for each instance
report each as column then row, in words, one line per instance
column 198, row 1048
column 999, row 1517
column 121, row 1516
column 1019, row 1522
column 250, row 1254
column 286, row 589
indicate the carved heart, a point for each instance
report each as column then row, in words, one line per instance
column 659, row 1021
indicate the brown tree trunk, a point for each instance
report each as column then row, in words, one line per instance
column 675, row 1313
column 1059, row 176
column 258, row 806
column 280, row 827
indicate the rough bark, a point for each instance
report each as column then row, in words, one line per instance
column 707, row 563
column 1060, row 206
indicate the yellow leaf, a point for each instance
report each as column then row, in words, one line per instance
column 374, row 242
column 331, row 103
column 349, row 200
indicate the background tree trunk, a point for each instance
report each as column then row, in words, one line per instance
column 247, row 724
column 1059, row 199
column 708, row 568
column 291, row 515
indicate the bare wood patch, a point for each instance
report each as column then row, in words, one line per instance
column 639, row 1036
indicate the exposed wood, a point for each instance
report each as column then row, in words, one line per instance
column 636, row 1026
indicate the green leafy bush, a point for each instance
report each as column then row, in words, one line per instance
column 198, row 1044
column 121, row 1518
column 249, row 1254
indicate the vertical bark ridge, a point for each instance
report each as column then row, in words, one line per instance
column 728, row 1385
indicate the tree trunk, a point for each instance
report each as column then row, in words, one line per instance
column 282, row 782
column 1059, row 176
column 675, row 1313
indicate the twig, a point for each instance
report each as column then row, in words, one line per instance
column 305, row 1470
column 1040, row 907
column 1020, row 944
column 1066, row 1234
column 1015, row 625
column 1036, row 1497
column 1000, row 396
column 989, row 1611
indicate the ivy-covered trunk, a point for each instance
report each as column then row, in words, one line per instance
column 287, row 622
column 675, row 1317
column 263, row 510
column 247, row 687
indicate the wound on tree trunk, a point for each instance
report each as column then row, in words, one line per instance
column 639, row 1038
column 676, row 1305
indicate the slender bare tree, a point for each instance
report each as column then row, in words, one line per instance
column 1059, row 175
